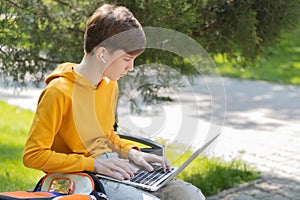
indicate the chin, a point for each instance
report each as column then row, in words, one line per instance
column 115, row 79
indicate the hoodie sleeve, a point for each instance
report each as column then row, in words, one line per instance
column 38, row 151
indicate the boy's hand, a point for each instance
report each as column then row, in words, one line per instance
column 144, row 159
column 114, row 167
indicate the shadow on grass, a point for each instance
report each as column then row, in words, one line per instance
column 10, row 152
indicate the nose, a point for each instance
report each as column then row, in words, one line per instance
column 130, row 66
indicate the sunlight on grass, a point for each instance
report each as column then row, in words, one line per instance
column 214, row 175
column 280, row 64
column 14, row 126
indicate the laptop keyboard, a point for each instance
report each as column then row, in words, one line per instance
column 149, row 178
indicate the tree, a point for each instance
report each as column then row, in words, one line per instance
column 36, row 35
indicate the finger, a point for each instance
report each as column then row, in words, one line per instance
column 116, row 168
column 107, row 168
column 123, row 174
column 124, row 168
column 159, row 159
column 115, row 175
column 130, row 165
column 120, row 172
column 145, row 164
column 169, row 167
column 163, row 165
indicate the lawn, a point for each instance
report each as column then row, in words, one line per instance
column 14, row 126
column 211, row 175
column 280, row 64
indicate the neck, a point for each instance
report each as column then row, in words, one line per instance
column 90, row 69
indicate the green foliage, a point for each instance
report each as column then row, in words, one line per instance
column 242, row 29
column 36, row 35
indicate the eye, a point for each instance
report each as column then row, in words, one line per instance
column 127, row 59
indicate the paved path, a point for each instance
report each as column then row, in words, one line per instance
column 262, row 128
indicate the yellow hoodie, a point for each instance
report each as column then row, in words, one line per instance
column 73, row 123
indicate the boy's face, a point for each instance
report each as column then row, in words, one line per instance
column 119, row 63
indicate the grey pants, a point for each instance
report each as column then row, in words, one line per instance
column 174, row 190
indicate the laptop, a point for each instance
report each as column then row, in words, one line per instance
column 154, row 180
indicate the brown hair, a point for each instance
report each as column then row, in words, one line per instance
column 115, row 28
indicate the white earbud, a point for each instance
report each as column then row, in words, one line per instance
column 102, row 58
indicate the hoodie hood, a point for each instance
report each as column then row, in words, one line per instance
column 66, row 70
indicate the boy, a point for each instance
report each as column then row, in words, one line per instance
column 72, row 129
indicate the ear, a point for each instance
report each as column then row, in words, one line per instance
column 99, row 53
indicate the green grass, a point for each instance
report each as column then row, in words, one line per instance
column 211, row 175
column 14, row 126
column 280, row 64
column 214, row 175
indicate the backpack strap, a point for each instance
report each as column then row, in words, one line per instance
column 99, row 189
column 38, row 186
